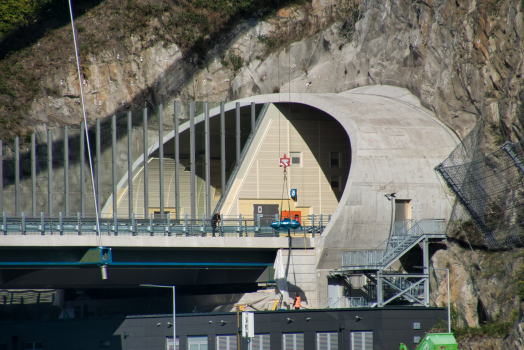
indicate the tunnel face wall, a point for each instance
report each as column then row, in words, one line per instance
column 308, row 137
column 395, row 144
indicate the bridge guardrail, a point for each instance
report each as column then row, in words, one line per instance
column 227, row 227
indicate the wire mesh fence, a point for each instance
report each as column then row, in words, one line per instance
column 489, row 190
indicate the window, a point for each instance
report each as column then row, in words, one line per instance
column 362, row 341
column 33, row 345
column 198, row 342
column 293, row 341
column 335, row 182
column 327, row 341
column 296, row 159
column 156, row 214
column 227, row 342
column 169, row 343
column 260, row 342
column 335, row 159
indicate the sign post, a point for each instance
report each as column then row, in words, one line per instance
column 248, row 326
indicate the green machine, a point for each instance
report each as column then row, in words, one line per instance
column 436, row 341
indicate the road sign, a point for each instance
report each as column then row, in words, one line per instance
column 285, row 162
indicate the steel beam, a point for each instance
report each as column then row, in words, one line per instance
column 253, row 116
column 380, row 295
column 17, row 176
column 222, row 148
column 146, row 164
column 425, row 260
column 177, row 162
column 238, row 132
column 98, row 167
column 161, row 157
column 66, row 171
column 192, row 156
column 208, row 161
column 33, row 174
column 82, row 170
column 113, row 165
column 130, row 162
column 50, row 172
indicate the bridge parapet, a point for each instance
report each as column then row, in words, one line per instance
column 84, row 226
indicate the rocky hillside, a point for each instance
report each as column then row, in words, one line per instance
column 463, row 58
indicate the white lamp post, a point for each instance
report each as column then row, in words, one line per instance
column 447, row 275
column 174, row 315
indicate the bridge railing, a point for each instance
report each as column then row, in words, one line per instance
column 228, row 226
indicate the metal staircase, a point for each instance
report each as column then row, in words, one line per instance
column 375, row 264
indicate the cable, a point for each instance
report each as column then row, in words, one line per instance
column 80, row 81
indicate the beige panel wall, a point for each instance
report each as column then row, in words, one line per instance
column 261, row 179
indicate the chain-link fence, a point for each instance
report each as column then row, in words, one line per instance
column 489, row 190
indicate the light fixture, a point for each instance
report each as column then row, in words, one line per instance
column 103, row 268
column 223, row 322
column 308, row 319
column 358, row 318
column 289, row 320
column 158, row 324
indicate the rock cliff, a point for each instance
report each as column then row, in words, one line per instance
column 463, row 58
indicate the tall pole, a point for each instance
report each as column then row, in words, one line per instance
column 82, row 169
column 208, row 161
column 161, row 158
column 50, row 172
column 33, row 174
column 222, row 148
column 66, row 171
column 17, row 175
column 449, row 304
column 192, row 156
column 113, row 164
column 174, row 307
column 146, row 165
column 130, row 162
column 174, row 320
column 98, row 166
column 238, row 132
column 177, row 162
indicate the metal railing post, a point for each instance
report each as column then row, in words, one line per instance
column 4, row 222
column 239, row 229
column 168, row 225
column 259, row 228
column 133, row 223
column 61, row 223
column 150, row 227
column 221, row 225
column 22, row 226
column 42, row 224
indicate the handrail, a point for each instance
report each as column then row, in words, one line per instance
column 235, row 170
column 401, row 239
column 230, row 226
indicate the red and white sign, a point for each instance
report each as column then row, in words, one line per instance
column 285, row 162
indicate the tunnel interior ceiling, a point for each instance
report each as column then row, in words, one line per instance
column 327, row 131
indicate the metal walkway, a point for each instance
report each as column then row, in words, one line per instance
column 412, row 288
column 228, row 227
